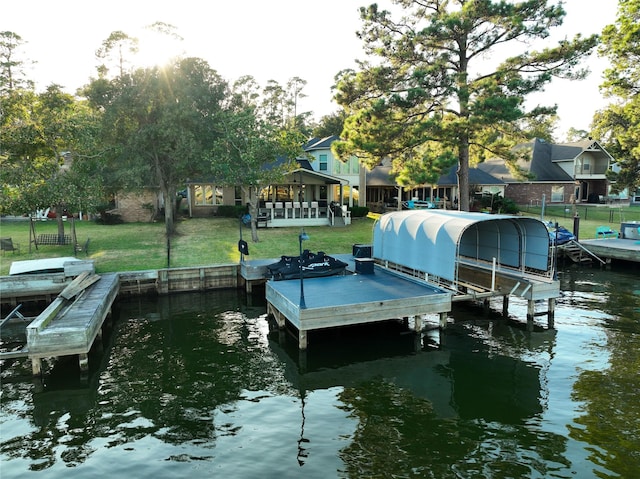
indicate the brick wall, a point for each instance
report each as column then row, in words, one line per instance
column 131, row 206
column 524, row 193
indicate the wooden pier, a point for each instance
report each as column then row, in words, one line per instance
column 71, row 323
column 335, row 301
column 620, row 249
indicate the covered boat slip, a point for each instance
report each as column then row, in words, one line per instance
column 472, row 253
column 353, row 299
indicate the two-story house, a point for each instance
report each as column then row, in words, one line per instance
column 562, row 173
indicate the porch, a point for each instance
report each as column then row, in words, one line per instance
column 304, row 213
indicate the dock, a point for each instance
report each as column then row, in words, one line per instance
column 351, row 299
column 72, row 322
column 620, row 249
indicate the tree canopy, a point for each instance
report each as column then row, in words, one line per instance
column 447, row 83
column 619, row 123
column 255, row 147
column 158, row 125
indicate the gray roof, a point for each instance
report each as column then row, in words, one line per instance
column 542, row 161
column 320, row 143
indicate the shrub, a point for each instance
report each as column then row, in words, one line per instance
column 231, row 211
column 359, row 211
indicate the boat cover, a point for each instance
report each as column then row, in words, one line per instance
column 434, row 241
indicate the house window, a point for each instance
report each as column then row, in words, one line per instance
column 238, row 195
column 323, row 162
column 207, row 195
column 557, row 194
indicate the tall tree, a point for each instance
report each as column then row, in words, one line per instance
column 12, row 74
column 442, row 87
column 159, row 124
column 619, row 123
column 254, row 150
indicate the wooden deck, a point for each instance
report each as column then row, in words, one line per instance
column 614, row 248
column 353, row 299
column 71, row 323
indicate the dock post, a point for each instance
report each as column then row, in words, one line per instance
column 486, row 306
column 417, row 323
column 551, row 313
column 505, row 306
column 531, row 311
column 302, row 339
column 443, row 320
column 83, row 359
column 36, row 366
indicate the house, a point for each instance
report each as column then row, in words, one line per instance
column 384, row 194
column 560, row 173
column 351, row 171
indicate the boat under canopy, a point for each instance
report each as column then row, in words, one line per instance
column 437, row 241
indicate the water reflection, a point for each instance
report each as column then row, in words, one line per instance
column 203, row 384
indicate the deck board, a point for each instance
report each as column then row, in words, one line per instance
column 355, row 299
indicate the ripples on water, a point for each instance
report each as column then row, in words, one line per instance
column 202, row 385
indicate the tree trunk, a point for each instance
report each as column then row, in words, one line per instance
column 59, row 210
column 463, row 175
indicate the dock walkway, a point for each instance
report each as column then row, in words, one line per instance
column 71, row 323
column 614, row 248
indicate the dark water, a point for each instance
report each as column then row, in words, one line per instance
column 203, row 386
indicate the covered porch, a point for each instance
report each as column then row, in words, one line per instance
column 305, row 198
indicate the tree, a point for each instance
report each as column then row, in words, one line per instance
column 44, row 140
column 12, row 74
column 330, row 125
column 159, row 125
column 441, row 88
column 254, row 149
column 116, row 50
column 619, row 123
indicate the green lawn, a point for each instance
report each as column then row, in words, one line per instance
column 206, row 241
column 203, row 241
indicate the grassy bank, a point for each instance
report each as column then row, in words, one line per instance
column 202, row 241
column 206, row 241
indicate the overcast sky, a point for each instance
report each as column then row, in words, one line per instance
column 277, row 39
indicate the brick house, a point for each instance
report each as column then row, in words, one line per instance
column 562, row 173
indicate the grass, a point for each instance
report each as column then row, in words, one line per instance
column 206, row 241
column 201, row 241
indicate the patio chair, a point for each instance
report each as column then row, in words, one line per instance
column 605, row 232
column 7, row 244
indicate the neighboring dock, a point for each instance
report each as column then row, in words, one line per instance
column 620, row 249
column 71, row 323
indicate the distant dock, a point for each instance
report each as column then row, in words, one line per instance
column 620, row 249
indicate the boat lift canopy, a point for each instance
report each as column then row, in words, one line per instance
column 435, row 241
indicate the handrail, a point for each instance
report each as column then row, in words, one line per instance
column 589, row 252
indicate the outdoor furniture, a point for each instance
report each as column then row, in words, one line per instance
column 314, row 209
column 262, row 221
column 305, row 209
column 6, row 244
column 279, row 209
column 605, row 232
column 53, row 239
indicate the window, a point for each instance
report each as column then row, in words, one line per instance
column 238, row 195
column 323, row 162
column 557, row 194
column 207, row 195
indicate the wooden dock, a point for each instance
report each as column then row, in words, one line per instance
column 353, row 299
column 72, row 322
column 620, row 249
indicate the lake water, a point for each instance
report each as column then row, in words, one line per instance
column 203, row 385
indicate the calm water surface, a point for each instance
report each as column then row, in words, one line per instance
column 203, row 386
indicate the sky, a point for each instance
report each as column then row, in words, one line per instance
column 270, row 40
